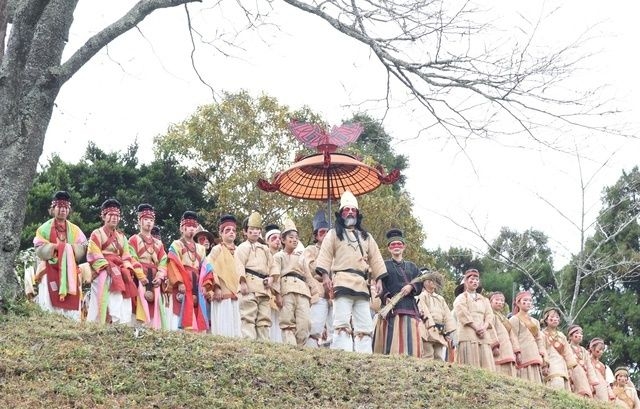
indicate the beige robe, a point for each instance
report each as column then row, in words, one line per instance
column 506, row 360
column 626, row 397
column 532, row 349
column 583, row 376
column 560, row 359
column 473, row 350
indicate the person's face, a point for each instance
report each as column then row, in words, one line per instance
column 111, row 220
column 430, row 285
column 576, row 336
column 203, row 240
column 61, row 212
column 472, row 283
column 396, row 248
column 291, row 241
column 146, row 224
column 253, row 233
column 525, row 303
column 497, row 302
column 597, row 351
column 349, row 215
column 275, row 242
column 188, row 231
column 622, row 379
column 228, row 234
column 553, row 319
column 320, row 235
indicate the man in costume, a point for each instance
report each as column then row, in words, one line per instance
column 151, row 307
column 399, row 332
column 112, row 288
column 187, row 267
column 294, row 288
column 321, row 304
column 223, row 294
column 60, row 245
column 437, row 318
column 257, row 274
column 349, row 257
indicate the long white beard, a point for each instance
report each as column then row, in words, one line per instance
column 350, row 221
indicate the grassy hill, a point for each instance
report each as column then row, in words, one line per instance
column 48, row 361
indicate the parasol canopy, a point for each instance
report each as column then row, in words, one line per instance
column 326, row 176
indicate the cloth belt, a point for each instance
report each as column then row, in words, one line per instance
column 356, row 272
column 295, row 275
column 255, row 273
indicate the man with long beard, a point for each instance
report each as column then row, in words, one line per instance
column 349, row 258
column 59, row 245
column 186, row 270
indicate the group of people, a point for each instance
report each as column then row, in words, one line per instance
column 338, row 291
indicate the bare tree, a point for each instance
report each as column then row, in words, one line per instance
column 437, row 50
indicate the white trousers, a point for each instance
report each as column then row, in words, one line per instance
column 118, row 307
column 225, row 318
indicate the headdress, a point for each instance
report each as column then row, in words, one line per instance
column 621, row 370
column 348, row 199
column 319, row 221
column 433, row 276
column 460, row 288
column 547, row 311
column 289, row 225
column 495, row 294
column 145, row 210
column 61, row 198
column 395, row 235
column 203, row 232
column 226, row 220
column 595, row 342
column 110, row 206
column 255, row 220
column 518, row 297
column 573, row 328
column 271, row 229
column 189, row 218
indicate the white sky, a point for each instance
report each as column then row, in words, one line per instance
column 143, row 84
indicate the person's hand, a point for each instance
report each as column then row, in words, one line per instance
column 217, row 294
column 496, row 351
column 545, row 371
column 480, row 332
column 209, row 295
column 406, row 290
column 278, row 300
column 518, row 358
column 156, row 282
column 244, row 289
column 379, row 288
column 327, row 284
column 182, row 288
column 267, row 282
column 143, row 281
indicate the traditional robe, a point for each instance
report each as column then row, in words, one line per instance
column 473, row 350
column 150, row 254
column 560, row 359
column 60, row 287
column 225, row 314
column 626, row 396
column 184, row 266
column 603, row 390
column 399, row 332
column 583, row 376
column 437, row 321
column 532, row 349
column 506, row 360
column 113, row 288
column 255, row 265
column 294, row 284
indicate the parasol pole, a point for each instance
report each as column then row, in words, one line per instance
column 328, row 176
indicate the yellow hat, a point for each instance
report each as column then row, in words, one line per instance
column 289, row 225
column 348, row 199
column 255, row 220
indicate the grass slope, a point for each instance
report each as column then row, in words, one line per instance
column 47, row 361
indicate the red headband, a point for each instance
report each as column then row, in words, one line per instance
column 189, row 223
column 150, row 214
column 60, row 203
column 109, row 210
column 471, row 272
column 595, row 342
column 225, row 224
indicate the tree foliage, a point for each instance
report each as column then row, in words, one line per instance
column 168, row 186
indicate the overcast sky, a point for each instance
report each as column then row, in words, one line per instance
column 144, row 82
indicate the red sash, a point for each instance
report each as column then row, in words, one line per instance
column 71, row 301
column 190, row 308
column 121, row 280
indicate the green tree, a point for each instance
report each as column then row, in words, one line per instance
column 168, row 186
